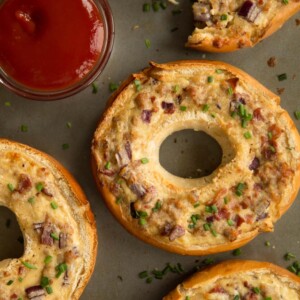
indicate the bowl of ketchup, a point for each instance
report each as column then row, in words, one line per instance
column 53, row 49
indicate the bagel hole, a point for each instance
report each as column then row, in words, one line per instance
column 11, row 237
column 190, row 154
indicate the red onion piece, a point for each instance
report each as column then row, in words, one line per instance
column 249, row 10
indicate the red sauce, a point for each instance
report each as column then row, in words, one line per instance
column 49, row 45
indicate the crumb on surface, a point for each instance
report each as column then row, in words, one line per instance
column 272, row 62
column 280, row 90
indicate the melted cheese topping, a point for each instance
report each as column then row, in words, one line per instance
column 222, row 22
column 247, row 193
column 53, row 236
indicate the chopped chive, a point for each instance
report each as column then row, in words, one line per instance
column 146, row 7
column 226, row 200
column 163, row 4
column 247, row 135
column 44, row 281
column 118, row 200
column 289, row 256
column 54, row 236
column 223, row 17
column 7, row 103
column 39, row 186
column 297, row 115
column 206, row 227
column 113, row 86
column 205, row 107
column 94, row 88
column 142, row 221
column 230, row 91
column 157, row 206
column 176, row 88
column 65, row 146
column 282, row 77
column 213, row 232
column 61, row 268
column 237, row 252
column 137, row 84
column 197, row 204
column 285, row 2
column 28, row 265
column 183, row 108
column 147, row 43
column 268, row 298
column 239, row 189
column 48, row 259
column 272, row 148
column 256, row 290
column 211, row 209
column 236, row 297
column 20, row 279
column 10, row 282
column 187, row 298
column 144, row 160
column 219, row 71
column 267, row 243
column 230, row 222
column 210, row 79
column 149, row 280
column 24, row 128
column 10, row 187
column 107, row 165
column 270, row 135
column 69, row 124
column 155, row 6
column 49, row 289
column 54, row 205
column 143, row 274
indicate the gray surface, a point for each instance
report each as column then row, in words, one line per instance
column 120, row 254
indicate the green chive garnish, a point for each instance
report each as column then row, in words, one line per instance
column 155, row 6
column 107, row 165
column 69, row 124
column 118, row 200
column 24, row 128
column 237, row 252
column 267, row 243
column 219, row 71
column 113, row 87
column 48, row 259
column 206, row 227
column 297, row 115
column 65, row 146
column 239, row 189
column 289, row 256
column 54, row 236
column 7, row 103
column 61, row 268
column 10, row 282
column 49, row 290
column 142, row 221
column 146, row 7
column 197, row 204
column 230, row 91
column 205, row 107
column 143, row 274
column 223, row 17
column 247, row 135
column 149, row 280
column 230, row 222
column 256, row 290
column 183, row 108
column 236, row 297
column 144, row 160
column 210, row 79
column 147, row 43
column 285, row 2
column 282, row 77
column 137, row 84
column 54, row 205
column 10, row 187
column 28, row 265
column 44, row 281
column 157, row 206
column 20, row 279
column 39, row 186
column 94, row 88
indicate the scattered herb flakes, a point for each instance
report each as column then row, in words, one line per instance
column 297, row 114
column 65, row 146
column 286, row 2
column 10, row 282
column 137, row 84
column 146, row 7
column 48, row 259
column 219, row 71
column 143, row 274
column 10, row 187
column 24, row 128
column 54, row 205
column 155, row 6
column 197, row 204
column 7, row 103
column 31, row 200
column 183, row 108
column 210, row 79
column 39, row 186
column 272, row 62
column 147, row 43
column 144, row 160
column 267, row 244
column 54, row 236
column 282, row 77
column 107, row 165
column 44, row 281
column 113, row 86
column 288, row 256
column 163, row 4
column 94, row 88
column 187, row 298
column 61, row 268
column 224, row 17
column 236, row 297
column 118, row 200
column 256, row 290
column 28, row 265
column 230, row 91
column 49, row 289
column 237, row 252
column 240, row 188
column 205, row 107
column 247, row 135
column 69, row 124
column 157, row 206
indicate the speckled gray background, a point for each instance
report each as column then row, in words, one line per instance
column 121, row 257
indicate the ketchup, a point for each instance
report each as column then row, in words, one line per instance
column 49, row 45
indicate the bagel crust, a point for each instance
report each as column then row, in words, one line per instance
column 58, row 227
column 223, row 26
column 254, row 185
column 249, row 280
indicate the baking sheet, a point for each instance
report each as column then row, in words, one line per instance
column 121, row 256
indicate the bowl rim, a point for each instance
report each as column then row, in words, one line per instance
column 47, row 95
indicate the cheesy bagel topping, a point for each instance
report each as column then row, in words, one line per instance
column 236, row 280
column 229, row 25
column 254, row 185
column 58, row 227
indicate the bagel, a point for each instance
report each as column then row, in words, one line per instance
column 58, row 227
column 239, row 280
column 223, row 26
column 254, row 185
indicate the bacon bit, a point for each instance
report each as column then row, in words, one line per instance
column 71, row 255
column 176, row 232
column 166, row 229
column 146, row 116
column 254, row 164
column 280, row 90
column 239, row 220
column 268, row 153
column 222, row 214
column 35, row 292
column 219, row 290
column 218, row 43
column 168, row 107
column 233, row 83
column 128, row 149
column 46, row 239
column 231, row 234
column 14, row 296
column 275, row 130
column 46, row 192
column 138, row 190
column 272, row 62
column 63, row 240
column 24, row 183
column 258, row 186
column 257, row 114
